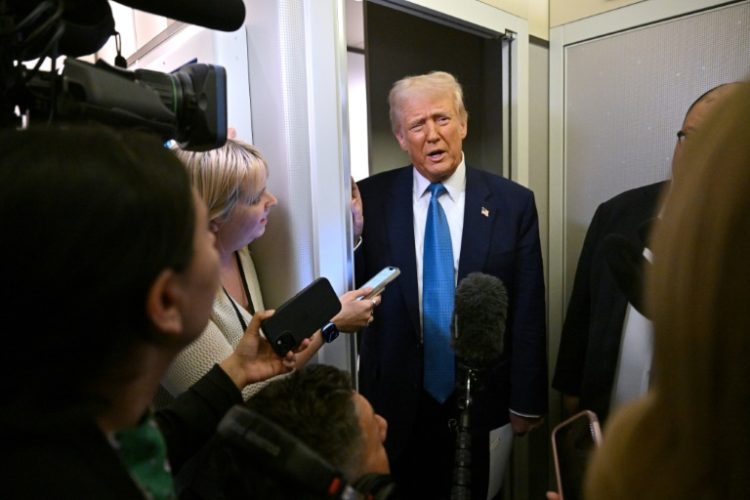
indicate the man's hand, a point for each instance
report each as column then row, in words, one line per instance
column 355, row 314
column 358, row 220
column 570, row 404
column 253, row 359
column 522, row 425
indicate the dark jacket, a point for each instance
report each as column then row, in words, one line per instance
column 66, row 456
column 592, row 331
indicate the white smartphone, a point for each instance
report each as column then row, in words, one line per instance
column 380, row 280
column 573, row 440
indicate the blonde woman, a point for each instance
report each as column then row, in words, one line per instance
column 232, row 181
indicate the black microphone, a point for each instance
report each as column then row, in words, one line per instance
column 480, row 311
column 224, row 15
column 81, row 27
column 481, row 308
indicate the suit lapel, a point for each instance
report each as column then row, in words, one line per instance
column 479, row 218
column 400, row 216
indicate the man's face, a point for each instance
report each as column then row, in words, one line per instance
column 431, row 131
column 374, row 430
column 694, row 120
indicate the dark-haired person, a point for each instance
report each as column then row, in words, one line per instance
column 688, row 437
column 605, row 351
column 317, row 405
column 109, row 270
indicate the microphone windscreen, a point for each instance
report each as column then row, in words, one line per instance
column 481, row 308
column 86, row 27
column 224, row 15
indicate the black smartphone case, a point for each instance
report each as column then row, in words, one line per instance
column 301, row 316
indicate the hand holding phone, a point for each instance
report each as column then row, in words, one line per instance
column 380, row 280
column 301, row 316
column 573, row 440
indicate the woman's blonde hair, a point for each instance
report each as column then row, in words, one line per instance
column 433, row 83
column 691, row 437
column 219, row 174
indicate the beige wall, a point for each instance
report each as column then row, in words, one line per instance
column 565, row 11
column 536, row 12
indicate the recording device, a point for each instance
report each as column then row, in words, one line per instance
column 301, row 316
column 380, row 280
column 480, row 311
column 188, row 105
column 227, row 15
column 273, row 449
column 573, row 440
column 280, row 452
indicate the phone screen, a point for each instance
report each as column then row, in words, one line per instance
column 572, row 442
column 380, row 280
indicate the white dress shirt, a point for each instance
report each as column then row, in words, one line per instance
column 633, row 375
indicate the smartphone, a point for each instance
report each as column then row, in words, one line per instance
column 301, row 316
column 573, row 440
column 378, row 282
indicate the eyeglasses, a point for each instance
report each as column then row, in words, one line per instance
column 681, row 136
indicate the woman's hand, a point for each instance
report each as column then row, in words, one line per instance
column 253, row 359
column 355, row 314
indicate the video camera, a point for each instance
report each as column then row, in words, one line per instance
column 253, row 442
column 188, row 105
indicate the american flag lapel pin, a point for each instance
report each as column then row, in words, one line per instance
column 485, row 212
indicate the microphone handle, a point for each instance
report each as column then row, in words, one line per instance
column 461, row 487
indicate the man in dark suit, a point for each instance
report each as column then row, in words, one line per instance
column 590, row 367
column 493, row 229
column 590, row 342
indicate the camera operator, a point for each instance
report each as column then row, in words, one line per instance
column 109, row 271
column 319, row 407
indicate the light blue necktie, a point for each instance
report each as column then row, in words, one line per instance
column 437, row 300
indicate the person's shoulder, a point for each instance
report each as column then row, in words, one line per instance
column 495, row 182
column 637, row 195
column 72, row 461
column 628, row 210
column 380, row 182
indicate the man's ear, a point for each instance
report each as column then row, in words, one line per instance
column 163, row 304
column 401, row 138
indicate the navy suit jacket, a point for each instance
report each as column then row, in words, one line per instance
column 592, row 332
column 501, row 238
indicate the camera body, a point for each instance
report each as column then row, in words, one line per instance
column 188, row 105
column 251, row 441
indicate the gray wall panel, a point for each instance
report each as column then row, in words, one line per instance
column 625, row 98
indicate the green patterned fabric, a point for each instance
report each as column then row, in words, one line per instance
column 144, row 453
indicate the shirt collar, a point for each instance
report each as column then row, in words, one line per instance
column 455, row 184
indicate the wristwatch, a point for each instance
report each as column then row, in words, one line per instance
column 329, row 332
